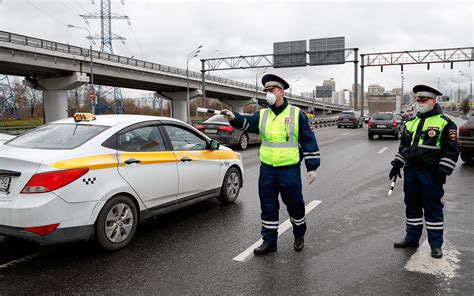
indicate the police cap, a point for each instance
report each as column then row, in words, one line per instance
column 424, row 92
column 270, row 81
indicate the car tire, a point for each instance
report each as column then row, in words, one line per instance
column 230, row 186
column 467, row 158
column 397, row 134
column 243, row 141
column 371, row 136
column 116, row 223
column 338, row 126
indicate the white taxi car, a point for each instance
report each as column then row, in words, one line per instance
column 99, row 176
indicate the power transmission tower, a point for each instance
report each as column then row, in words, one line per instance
column 8, row 102
column 105, row 15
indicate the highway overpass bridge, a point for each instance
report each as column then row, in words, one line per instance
column 56, row 67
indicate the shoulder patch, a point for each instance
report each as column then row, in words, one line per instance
column 453, row 135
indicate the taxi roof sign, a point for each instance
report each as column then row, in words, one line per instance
column 83, row 117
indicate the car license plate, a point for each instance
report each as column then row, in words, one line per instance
column 381, row 125
column 210, row 131
column 4, row 183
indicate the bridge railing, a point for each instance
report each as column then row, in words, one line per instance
column 97, row 55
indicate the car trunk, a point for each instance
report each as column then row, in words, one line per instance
column 17, row 166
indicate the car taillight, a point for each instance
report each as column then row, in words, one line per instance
column 353, row 118
column 46, row 182
column 394, row 124
column 463, row 129
column 42, row 230
column 199, row 126
column 225, row 128
column 370, row 123
column 340, row 118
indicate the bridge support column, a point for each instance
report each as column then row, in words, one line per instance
column 180, row 103
column 238, row 105
column 55, row 96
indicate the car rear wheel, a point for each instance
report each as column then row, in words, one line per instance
column 371, row 136
column 116, row 223
column 467, row 158
column 230, row 186
column 243, row 141
column 397, row 134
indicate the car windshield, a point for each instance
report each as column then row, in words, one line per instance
column 382, row 116
column 350, row 114
column 57, row 136
column 216, row 119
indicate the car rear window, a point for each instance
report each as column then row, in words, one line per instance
column 216, row 119
column 57, row 136
column 382, row 116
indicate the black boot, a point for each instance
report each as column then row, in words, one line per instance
column 265, row 248
column 298, row 244
column 406, row 244
column 436, row 253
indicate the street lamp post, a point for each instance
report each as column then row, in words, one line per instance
column 295, row 80
column 94, row 102
column 258, row 74
column 191, row 56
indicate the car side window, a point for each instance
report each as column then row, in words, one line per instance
column 183, row 139
column 147, row 138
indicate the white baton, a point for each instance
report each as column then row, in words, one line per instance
column 392, row 185
column 211, row 111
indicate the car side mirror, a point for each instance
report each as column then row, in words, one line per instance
column 214, row 145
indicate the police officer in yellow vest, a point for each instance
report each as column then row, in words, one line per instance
column 286, row 140
column 429, row 151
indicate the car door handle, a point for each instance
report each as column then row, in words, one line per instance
column 185, row 158
column 132, row 160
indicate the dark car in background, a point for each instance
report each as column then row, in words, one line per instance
column 385, row 123
column 350, row 118
column 466, row 141
column 219, row 129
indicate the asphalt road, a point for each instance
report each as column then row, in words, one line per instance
column 349, row 242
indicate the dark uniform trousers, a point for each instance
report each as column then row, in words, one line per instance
column 287, row 181
column 423, row 191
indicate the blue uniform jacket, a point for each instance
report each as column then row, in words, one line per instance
column 309, row 150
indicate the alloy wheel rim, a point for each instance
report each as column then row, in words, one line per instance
column 243, row 141
column 119, row 223
column 233, row 184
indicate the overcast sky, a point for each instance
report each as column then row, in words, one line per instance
column 166, row 32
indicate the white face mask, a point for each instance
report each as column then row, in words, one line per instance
column 423, row 108
column 271, row 98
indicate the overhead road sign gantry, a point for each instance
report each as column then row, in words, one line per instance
column 413, row 57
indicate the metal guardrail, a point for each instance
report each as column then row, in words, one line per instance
column 323, row 122
column 15, row 130
column 97, row 55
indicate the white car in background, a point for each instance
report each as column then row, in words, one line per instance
column 99, row 176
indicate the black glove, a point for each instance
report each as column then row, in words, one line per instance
column 440, row 177
column 396, row 170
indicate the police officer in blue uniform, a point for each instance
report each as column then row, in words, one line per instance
column 286, row 140
column 428, row 151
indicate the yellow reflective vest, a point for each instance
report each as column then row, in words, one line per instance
column 279, row 135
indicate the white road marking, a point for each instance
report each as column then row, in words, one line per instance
column 281, row 229
column 382, row 150
column 20, row 261
column 344, row 134
column 446, row 266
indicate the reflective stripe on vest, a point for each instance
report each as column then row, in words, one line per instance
column 279, row 135
column 435, row 121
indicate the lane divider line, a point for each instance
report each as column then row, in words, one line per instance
column 345, row 134
column 382, row 150
column 281, row 229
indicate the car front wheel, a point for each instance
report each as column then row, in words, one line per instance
column 116, row 223
column 230, row 186
column 467, row 158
